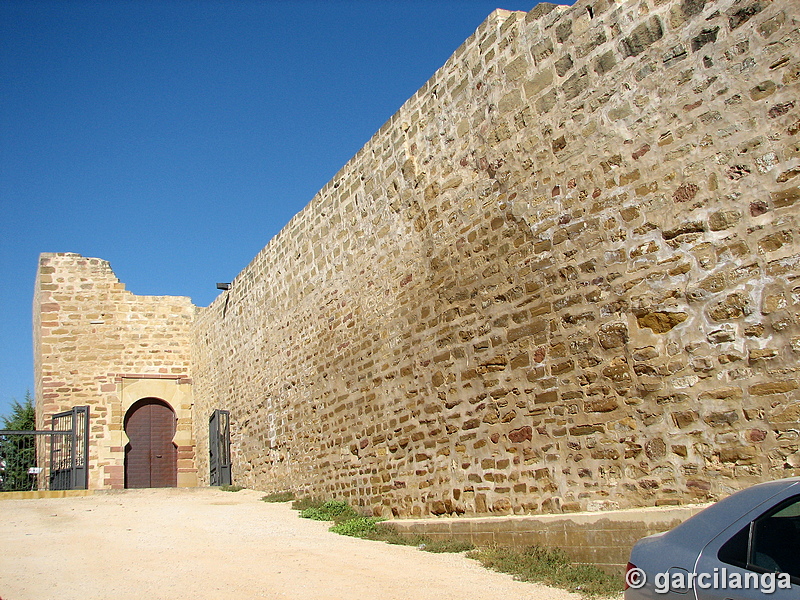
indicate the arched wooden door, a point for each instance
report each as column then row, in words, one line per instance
column 150, row 456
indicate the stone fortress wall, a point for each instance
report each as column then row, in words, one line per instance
column 564, row 276
column 97, row 344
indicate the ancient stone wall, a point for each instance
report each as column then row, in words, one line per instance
column 97, row 344
column 564, row 276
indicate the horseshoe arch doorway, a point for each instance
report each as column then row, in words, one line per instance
column 151, row 457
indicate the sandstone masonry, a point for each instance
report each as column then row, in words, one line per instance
column 564, row 276
column 99, row 345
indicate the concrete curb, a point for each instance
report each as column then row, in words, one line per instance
column 36, row 494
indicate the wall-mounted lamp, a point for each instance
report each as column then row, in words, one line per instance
column 224, row 286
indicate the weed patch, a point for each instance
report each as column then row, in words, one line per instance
column 302, row 504
column 386, row 533
column 231, row 488
column 360, row 527
column 348, row 522
column 278, row 497
column 550, row 566
column 337, row 511
column 446, row 545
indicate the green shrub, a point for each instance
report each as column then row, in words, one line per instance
column 278, row 497
column 332, row 510
column 359, row 527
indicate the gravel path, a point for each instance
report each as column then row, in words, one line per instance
column 196, row 544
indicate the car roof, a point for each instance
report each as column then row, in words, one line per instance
column 700, row 529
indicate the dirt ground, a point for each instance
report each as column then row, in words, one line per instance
column 203, row 543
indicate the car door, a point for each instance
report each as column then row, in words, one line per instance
column 756, row 558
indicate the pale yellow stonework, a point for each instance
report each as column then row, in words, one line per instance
column 563, row 276
column 99, row 345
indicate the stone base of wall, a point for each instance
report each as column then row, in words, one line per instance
column 604, row 539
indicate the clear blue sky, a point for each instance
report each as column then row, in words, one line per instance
column 175, row 138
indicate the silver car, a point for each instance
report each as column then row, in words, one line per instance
column 744, row 547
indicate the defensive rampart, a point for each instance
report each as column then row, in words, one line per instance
column 97, row 344
column 564, row 276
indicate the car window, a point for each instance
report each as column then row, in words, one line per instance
column 734, row 551
column 770, row 543
column 792, row 510
column 776, row 539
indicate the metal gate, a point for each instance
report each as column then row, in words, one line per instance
column 219, row 447
column 69, row 468
column 47, row 460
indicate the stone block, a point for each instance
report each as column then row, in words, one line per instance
column 563, row 65
column 660, row 321
column 613, row 335
column 577, row 83
column 539, row 82
column 706, row 36
column 642, row 37
column 724, row 219
column 741, row 12
column 773, row 387
column 762, row 90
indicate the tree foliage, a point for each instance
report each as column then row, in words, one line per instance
column 23, row 415
column 18, row 452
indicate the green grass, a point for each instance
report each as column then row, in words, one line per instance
column 348, row 522
column 302, row 504
column 550, row 566
column 386, row 533
column 337, row 511
column 360, row 527
column 231, row 488
column 279, row 497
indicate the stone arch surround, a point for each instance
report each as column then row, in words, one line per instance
column 175, row 392
column 151, row 460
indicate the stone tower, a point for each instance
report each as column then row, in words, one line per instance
column 97, row 344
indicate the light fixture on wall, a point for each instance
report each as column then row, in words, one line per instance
column 224, row 286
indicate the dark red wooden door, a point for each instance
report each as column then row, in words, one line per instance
column 150, row 456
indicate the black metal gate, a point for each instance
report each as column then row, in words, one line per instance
column 219, row 447
column 47, row 460
column 69, row 469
